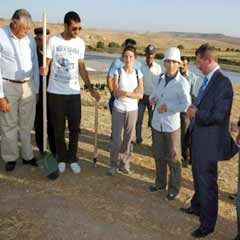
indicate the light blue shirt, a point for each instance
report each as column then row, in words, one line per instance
column 210, row 74
column 118, row 63
column 176, row 95
column 18, row 58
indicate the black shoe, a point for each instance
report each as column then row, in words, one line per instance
column 200, row 233
column 153, row 188
column 190, row 210
column 171, row 196
column 9, row 166
column 124, row 170
column 32, row 162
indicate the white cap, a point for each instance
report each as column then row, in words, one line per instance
column 172, row 53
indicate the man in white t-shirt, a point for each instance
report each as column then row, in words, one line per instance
column 65, row 52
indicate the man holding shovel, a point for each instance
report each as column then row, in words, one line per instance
column 38, row 123
column 65, row 52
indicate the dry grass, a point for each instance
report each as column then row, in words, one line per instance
column 94, row 206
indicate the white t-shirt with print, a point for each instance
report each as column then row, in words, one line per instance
column 128, row 82
column 65, row 55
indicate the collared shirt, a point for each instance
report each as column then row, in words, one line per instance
column 18, row 58
column 118, row 63
column 150, row 76
column 200, row 80
column 177, row 98
column 192, row 79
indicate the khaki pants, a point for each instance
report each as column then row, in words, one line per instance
column 22, row 100
column 123, row 131
column 167, row 152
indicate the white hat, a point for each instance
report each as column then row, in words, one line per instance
column 172, row 53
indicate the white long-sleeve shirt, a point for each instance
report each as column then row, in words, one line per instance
column 18, row 58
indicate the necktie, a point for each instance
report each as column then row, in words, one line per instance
column 198, row 99
column 201, row 91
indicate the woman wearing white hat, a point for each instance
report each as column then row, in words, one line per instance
column 169, row 98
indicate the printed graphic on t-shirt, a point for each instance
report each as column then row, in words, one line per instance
column 66, row 64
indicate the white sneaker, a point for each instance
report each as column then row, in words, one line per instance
column 61, row 167
column 75, row 167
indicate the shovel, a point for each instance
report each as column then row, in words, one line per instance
column 47, row 163
column 95, row 158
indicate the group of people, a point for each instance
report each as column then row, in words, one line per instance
column 188, row 117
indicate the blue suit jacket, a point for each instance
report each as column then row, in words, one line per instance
column 210, row 135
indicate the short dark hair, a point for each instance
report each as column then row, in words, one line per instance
column 130, row 48
column 206, row 50
column 185, row 58
column 39, row 30
column 130, row 41
column 71, row 16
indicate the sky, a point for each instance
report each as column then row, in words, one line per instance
column 203, row 16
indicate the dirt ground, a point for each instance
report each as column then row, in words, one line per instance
column 94, row 206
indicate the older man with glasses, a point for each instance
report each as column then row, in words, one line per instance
column 19, row 83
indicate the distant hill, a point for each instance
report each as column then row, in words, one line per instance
column 162, row 40
column 210, row 36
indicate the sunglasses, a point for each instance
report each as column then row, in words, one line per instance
column 76, row 28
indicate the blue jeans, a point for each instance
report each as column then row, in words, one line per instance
column 238, row 198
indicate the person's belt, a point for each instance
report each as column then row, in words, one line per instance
column 15, row 81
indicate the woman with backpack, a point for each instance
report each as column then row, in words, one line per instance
column 127, row 89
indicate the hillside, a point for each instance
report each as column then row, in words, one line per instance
column 162, row 40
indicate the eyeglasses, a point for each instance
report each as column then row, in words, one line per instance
column 76, row 28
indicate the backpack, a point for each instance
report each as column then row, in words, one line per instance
column 119, row 74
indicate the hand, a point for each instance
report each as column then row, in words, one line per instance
column 121, row 94
column 4, row 105
column 43, row 71
column 238, row 138
column 153, row 101
column 191, row 111
column 95, row 95
column 162, row 108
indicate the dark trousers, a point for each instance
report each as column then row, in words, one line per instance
column 142, row 105
column 205, row 198
column 62, row 108
column 184, row 125
column 38, row 126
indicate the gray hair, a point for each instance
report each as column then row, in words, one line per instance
column 23, row 16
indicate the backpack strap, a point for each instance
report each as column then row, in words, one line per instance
column 137, row 75
column 119, row 73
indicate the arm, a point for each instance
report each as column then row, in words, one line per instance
column 138, row 92
column 184, row 99
column 84, row 75
column 110, row 77
column 221, row 108
column 116, row 91
column 4, row 105
column 35, row 67
column 238, row 136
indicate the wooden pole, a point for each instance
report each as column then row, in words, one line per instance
column 96, row 135
column 44, row 82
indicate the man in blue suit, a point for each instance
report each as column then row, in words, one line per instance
column 210, row 138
